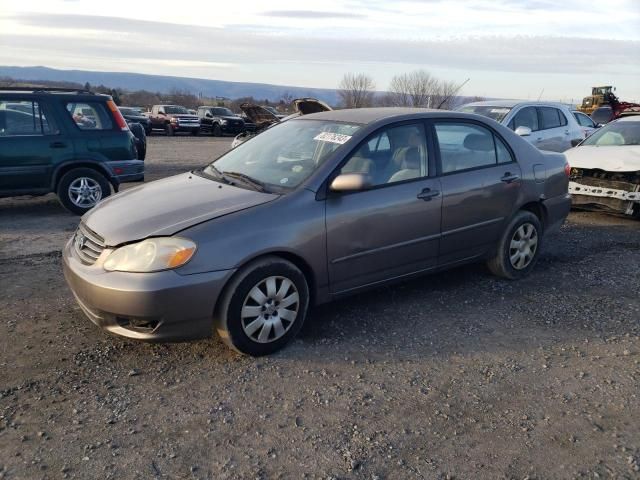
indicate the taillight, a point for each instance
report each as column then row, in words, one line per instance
column 120, row 121
column 567, row 169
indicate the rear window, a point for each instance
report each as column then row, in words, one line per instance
column 493, row 112
column 25, row 117
column 90, row 115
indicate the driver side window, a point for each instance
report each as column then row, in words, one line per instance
column 392, row 155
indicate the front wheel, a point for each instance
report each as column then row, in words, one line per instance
column 519, row 247
column 81, row 189
column 169, row 130
column 263, row 307
column 216, row 131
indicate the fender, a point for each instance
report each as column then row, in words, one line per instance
column 99, row 166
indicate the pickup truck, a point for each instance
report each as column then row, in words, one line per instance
column 173, row 118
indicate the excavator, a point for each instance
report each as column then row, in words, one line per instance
column 603, row 98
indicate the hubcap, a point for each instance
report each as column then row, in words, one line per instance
column 85, row 192
column 524, row 244
column 270, row 309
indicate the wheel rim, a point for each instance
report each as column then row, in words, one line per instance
column 85, row 192
column 270, row 309
column 524, row 245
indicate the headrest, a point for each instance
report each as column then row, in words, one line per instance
column 478, row 141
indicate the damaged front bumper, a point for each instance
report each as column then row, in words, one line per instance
column 611, row 194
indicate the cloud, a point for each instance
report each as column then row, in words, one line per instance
column 310, row 14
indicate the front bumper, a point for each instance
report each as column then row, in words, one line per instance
column 232, row 129
column 186, row 127
column 156, row 307
column 611, row 194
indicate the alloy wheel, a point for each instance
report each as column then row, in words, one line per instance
column 85, row 192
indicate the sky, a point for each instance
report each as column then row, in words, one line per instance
column 528, row 49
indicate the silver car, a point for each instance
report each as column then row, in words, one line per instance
column 308, row 211
column 546, row 125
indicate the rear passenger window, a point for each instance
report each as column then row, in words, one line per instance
column 90, row 116
column 465, row 146
column 526, row 117
column 550, row 117
column 25, row 117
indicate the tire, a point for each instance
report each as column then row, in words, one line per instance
column 216, row 131
column 257, row 333
column 195, row 133
column 169, row 130
column 97, row 184
column 519, row 247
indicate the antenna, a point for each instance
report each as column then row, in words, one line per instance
column 453, row 93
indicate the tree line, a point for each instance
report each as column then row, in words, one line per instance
column 414, row 89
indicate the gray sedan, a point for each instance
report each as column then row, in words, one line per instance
column 308, row 211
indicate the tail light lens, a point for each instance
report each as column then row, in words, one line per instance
column 567, row 169
column 120, row 121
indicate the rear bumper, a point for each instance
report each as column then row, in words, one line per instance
column 127, row 170
column 557, row 209
column 155, row 307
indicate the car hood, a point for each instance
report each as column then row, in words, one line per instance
column 231, row 117
column 259, row 115
column 607, row 158
column 305, row 106
column 166, row 206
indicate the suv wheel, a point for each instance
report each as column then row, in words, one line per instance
column 519, row 247
column 263, row 307
column 169, row 130
column 216, row 131
column 81, row 189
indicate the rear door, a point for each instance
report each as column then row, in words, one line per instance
column 480, row 183
column 30, row 144
column 393, row 228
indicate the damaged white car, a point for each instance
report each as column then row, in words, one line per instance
column 605, row 168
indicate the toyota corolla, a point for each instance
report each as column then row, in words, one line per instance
column 308, row 211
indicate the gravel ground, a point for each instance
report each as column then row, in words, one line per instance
column 457, row 375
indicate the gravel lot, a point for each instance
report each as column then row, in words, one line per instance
column 457, row 375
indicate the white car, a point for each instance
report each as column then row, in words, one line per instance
column 547, row 125
column 605, row 168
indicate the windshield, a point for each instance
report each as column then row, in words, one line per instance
column 223, row 111
column 283, row 156
column 176, row 110
column 494, row 112
column 617, row 134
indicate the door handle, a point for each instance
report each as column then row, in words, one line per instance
column 508, row 177
column 427, row 194
column 58, row 145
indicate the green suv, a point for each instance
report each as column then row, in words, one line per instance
column 71, row 142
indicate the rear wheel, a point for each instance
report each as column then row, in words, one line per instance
column 263, row 307
column 81, row 189
column 519, row 247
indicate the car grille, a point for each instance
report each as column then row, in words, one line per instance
column 88, row 244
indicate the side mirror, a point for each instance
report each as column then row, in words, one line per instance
column 523, row 131
column 208, row 115
column 599, row 125
column 161, row 112
column 575, row 142
column 350, row 182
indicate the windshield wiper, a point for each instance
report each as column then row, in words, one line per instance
column 257, row 184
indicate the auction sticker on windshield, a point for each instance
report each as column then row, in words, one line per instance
column 332, row 137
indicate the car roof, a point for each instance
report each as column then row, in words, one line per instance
column 633, row 117
column 370, row 115
column 514, row 103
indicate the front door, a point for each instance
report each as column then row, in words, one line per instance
column 480, row 185
column 392, row 229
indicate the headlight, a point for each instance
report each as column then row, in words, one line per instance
column 151, row 255
column 223, row 122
